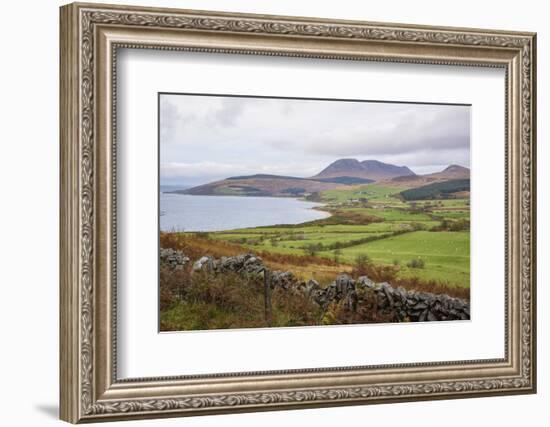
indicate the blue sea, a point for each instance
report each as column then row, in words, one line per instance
column 181, row 212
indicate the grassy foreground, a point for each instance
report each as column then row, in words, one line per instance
column 202, row 301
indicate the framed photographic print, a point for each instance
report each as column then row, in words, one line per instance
column 266, row 212
column 322, row 239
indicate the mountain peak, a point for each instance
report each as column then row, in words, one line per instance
column 372, row 162
column 370, row 169
column 347, row 163
column 452, row 172
column 455, row 168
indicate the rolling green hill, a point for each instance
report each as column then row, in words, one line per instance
column 437, row 190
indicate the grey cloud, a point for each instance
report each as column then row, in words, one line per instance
column 229, row 112
column 211, row 171
column 272, row 134
column 172, row 119
column 405, row 133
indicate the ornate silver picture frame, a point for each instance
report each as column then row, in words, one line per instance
column 91, row 35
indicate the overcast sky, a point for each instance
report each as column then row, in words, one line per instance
column 205, row 138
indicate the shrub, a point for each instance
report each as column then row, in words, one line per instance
column 312, row 248
column 460, row 225
column 378, row 273
column 211, row 301
column 172, row 284
column 448, row 225
column 361, row 261
column 416, row 226
column 293, row 309
column 337, row 245
column 416, row 263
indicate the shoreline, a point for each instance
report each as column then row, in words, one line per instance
column 318, row 207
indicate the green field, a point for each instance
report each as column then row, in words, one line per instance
column 374, row 220
column 392, row 214
column 373, row 192
column 446, row 254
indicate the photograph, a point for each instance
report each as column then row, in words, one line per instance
column 280, row 212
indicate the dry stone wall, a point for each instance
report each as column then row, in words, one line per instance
column 397, row 304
